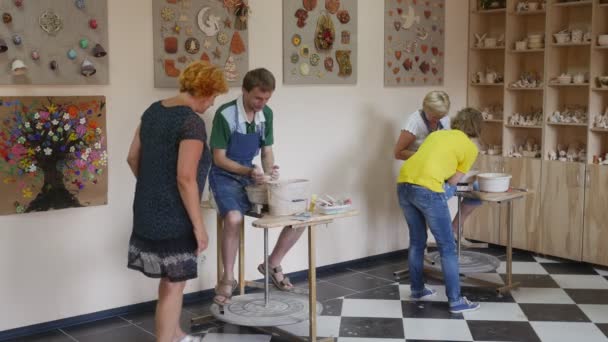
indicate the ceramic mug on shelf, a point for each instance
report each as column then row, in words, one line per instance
column 521, row 45
column 532, row 6
column 491, row 77
column 562, row 37
column 577, row 36
column 578, row 78
column 490, row 42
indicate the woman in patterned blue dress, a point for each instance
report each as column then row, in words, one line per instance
column 170, row 158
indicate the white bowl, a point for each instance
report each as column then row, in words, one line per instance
column 561, row 38
column 494, row 182
column 602, row 39
column 564, row 79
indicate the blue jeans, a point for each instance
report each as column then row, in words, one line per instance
column 450, row 191
column 422, row 207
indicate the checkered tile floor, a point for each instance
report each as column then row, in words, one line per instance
column 558, row 301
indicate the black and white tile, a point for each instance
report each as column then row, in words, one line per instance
column 558, row 300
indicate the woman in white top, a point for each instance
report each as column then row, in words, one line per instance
column 432, row 117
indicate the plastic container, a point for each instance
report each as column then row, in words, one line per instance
column 288, row 197
column 336, row 209
column 494, row 182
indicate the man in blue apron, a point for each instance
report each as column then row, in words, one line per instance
column 241, row 128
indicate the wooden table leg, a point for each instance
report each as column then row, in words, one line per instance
column 510, row 285
column 312, row 284
column 220, row 265
column 242, row 259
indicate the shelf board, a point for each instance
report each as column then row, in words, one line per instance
column 487, row 84
column 571, row 44
column 603, row 5
column 526, row 50
column 599, row 89
column 526, row 13
column 584, row 125
column 573, row 3
column 490, row 11
column 569, row 85
column 496, row 48
column 599, row 130
column 493, row 120
column 532, row 89
column 522, row 126
column 601, row 47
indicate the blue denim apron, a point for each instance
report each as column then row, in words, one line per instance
column 229, row 188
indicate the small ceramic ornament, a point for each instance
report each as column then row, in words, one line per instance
column 344, row 64
column 93, row 24
column 230, row 70
column 54, row 65
column 3, row 45
column 72, row 54
column 17, row 39
column 87, row 68
column 35, row 55
column 84, row 43
column 18, row 67
column 79, row 4
column 192, row 45
column 99, row 51
column 18, row 3
column 7, row 18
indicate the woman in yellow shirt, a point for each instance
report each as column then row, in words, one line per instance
column 445, row 155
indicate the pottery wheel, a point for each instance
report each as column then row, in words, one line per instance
column 470, row 262
column 249, row 310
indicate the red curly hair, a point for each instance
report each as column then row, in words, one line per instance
column 202, row 79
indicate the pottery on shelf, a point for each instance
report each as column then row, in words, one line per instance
column 532, row 118
column 528, row 80
column 570, row 115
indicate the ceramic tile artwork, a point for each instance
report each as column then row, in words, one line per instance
column 50, row 42
column 53, row 153
column 211, row 30
column 414, row 42
column 320, row 41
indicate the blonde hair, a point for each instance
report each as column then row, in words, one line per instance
column 469, row 121
column 436, row 103
column 201, row 79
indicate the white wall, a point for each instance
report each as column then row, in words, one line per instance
column 65, row 263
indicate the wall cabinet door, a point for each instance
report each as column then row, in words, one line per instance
column 563, row 194
column 595, row 232
column 485, row 222
column 526, row 173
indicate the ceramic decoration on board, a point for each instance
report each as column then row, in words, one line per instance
column 54, row 153
column 414, row 43
column 46, row 36
column 320, row 44
column 215, row 31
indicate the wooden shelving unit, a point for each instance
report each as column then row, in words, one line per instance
column 541, row 229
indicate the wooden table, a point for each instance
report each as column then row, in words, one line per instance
column 271, row 222
column 496, row 197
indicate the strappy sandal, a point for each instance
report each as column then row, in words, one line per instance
column 284, row 284
column 190, row 338
column 227, row 295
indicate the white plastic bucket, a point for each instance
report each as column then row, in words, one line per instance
column 257, row 194
column 288, row 197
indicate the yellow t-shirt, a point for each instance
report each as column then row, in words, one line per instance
column 439, row 157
